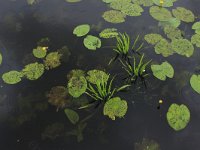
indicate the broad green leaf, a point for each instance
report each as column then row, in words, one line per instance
column 183, row 14
column 12, row 77
column 114, row 16
column 164, row 48
column 183, row 47
column 160, row 14
column 132, row 10
column 153, row 38
column 81, row 30
column 52, row 60
column 174, row 22
column 92, row 42
column 119, row 4
column 96, row 76
column 163, row 71
column 167, row 3
column 172, row 32
column 196, row 27
column 195, row 39
column 115, row 107
column 178, row 116
column 108, row 33
column 40, row 52
column 77, row 86
column 73, row 1
column 145, row 3
column 195, row 82
column 1, row 58
column 72, row 115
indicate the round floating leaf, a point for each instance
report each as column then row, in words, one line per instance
column 73, row 1
column 77, row 86
column 174, row 22
column 132, row 10
column 52, row 60
column 164, row 48
column 114, row 16
column 81, row 30
column 183, row 47
column 95, row 76
column 195, row 39
column 153, row 38
column 40, row 52
column 163, row 71
column 108, row 1
column 160, row 14
column 108, row 33
column 115, row 107
column 196, row 27
column 1, row 58
column 72, row 115
column 33, row 71
column 12, row 77
column 183, row 14
column 195, row 82
column 172, row 32
column 145, row 3
column 119, row 4
column 92, row 42
column 167, row 3
column 178, row 116
column 75, row 73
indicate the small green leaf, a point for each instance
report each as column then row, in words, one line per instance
column 108, row 33
column 72, row 115
column 160, row 14
column 195, row 82
column 12, row 77
column 183, row 14
column 92, row 42
column 153, row 38
column 81, row 30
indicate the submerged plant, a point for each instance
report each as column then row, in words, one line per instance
column 135, row 70
column 147, row 144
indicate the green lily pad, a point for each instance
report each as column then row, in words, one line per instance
column 72, row 115
column 195, row 82
column 12, row 77
column 183, row 14
column 132, row 10
column 119, row 4
column 115, row 107
column 92, row 42
column 178, row 116
column 77, row 86
column 33, row 71
column 114, row 16
column 108, row 1
column 76, row 73
column 153, row 38
column 73, row 1
column 95, row 76
column 81, row 30
column 164, row 48
column 1, row 58
column 40, row 52
column 108, row 33
column 183, row 47
column 52, row 60
column 160, row 13
column 195, row 39
column 172, row 32
column 167, row 3
column 174, row 22
column 163, row 71
column 196, row 27
column 145, row 3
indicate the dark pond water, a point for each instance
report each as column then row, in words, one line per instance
column 22, row 25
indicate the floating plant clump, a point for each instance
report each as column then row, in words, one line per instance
column 12, row 77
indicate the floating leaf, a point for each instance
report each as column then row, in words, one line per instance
column 164, row 47
column 77, row 86
column 196, row 27
column 72, row 115
column 40, row 52
column 167, row 3
column 92, row 42
column 95, row 76
column 183, row 14
column 12, row 77
column 44, row 42
column 115, row 107
column 75, row 73
column 160, row 14
column 81, row 30
column 195, row 39
column 174, row 22
column 52, row 60
column 183, row 47
column 147, row 144
column 163, row 71
column 31, row 2
column 178, row 116
column 172, row 32
column 114, row 16
column 195, row 82
column 153, row 38
column 1, row 58
column 73, row 1
column 132, row 10
column 145, row 3
column 33, row 71
column 108, row 33
column 108, row 1
column 119, row 4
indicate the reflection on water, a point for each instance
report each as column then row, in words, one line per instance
column 29, row 122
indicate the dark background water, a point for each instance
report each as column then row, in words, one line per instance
column 21, row 26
